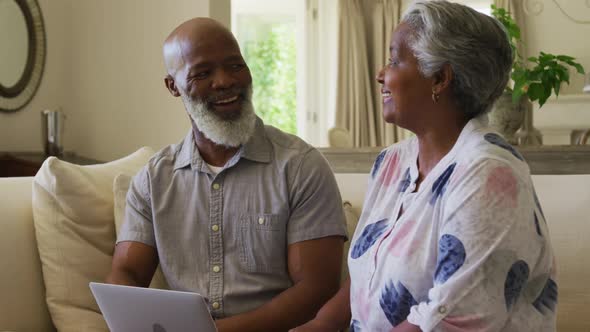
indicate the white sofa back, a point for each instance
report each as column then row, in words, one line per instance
column 22, row 295
column 565, row 200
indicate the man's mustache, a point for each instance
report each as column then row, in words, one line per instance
column 215, row 97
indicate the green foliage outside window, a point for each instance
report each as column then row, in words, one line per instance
column 273, row 66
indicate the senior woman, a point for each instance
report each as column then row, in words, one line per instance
column 452, row 236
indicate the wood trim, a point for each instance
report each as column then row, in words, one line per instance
column 543, row 160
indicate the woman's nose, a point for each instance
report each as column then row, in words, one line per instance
column 379, row 76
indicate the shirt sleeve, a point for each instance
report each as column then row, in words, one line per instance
column 315, row 202
column 487, row 244
column 138, row 225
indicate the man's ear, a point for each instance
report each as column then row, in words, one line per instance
column 443, row 78
column 171, row 86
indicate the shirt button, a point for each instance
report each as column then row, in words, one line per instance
column 215, row 228
column 216, row 268
column 260, row 221
column 216, row 186
column 442, row 309
column 215, row 305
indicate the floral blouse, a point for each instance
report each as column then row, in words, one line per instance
column 468, row 251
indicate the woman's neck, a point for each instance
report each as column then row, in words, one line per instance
column 435, row 144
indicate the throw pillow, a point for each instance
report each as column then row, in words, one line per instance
column 75, row 231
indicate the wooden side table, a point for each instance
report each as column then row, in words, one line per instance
column 28, row 163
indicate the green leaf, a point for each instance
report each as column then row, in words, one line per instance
column 565, row 58
column 556, row 86
column 579, row 68
column 546, row 95
column 535, row 91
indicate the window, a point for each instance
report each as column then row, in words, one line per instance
column 266, row 33
column 289, row 47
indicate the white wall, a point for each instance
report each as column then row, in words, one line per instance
column 118, row 101
column 105, row 71
column 549, row 30
column 21, row 131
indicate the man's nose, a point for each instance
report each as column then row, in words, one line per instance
column 223, row 80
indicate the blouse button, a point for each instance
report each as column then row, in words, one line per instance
column 442, row 309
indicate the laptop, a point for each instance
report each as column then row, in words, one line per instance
column 131, row 309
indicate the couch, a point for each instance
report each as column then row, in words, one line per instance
column 23, row 303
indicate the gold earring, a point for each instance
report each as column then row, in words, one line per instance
column 435, row 96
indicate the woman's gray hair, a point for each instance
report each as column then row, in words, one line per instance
column 474, row 45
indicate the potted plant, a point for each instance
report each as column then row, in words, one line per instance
column 533, row 80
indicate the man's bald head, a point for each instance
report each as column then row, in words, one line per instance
column 188, row 37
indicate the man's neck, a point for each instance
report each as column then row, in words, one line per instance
column 212, row 153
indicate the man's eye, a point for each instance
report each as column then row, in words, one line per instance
column 201, row 75
column 392, row 62
column 237, row 66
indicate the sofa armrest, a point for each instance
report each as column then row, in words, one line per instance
column 22, row 294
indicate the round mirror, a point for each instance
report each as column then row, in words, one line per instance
column 22, row 37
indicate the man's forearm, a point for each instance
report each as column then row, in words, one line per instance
column 292, row 307
column 121, row 277
column 336, row 312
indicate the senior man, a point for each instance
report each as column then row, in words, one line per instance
column 242, row 213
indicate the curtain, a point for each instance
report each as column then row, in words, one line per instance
column 364, row 35
column 355, row 109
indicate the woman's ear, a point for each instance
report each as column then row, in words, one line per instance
column 443, row 78
column 171, row 86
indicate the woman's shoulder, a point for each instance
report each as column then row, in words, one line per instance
column 487, row 146
column 400, row 151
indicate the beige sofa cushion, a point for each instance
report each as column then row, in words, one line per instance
column 22, row 297
column 352, row 220
column 74, row 224
column 120, row 188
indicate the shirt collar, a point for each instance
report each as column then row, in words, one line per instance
column 258, row 148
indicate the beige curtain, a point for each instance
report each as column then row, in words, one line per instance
column 365, row 31
column 355, row 109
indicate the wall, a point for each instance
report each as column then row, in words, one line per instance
column 105, row 71
column 21, row 131
column 118, row 101
column 549, row 30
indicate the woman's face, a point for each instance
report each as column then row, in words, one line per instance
column 406, row 93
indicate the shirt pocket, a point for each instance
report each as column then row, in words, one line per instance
column 262, row 243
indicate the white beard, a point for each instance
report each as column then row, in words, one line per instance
column 230, row 133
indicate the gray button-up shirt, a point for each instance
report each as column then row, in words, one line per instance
column 225, row 236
